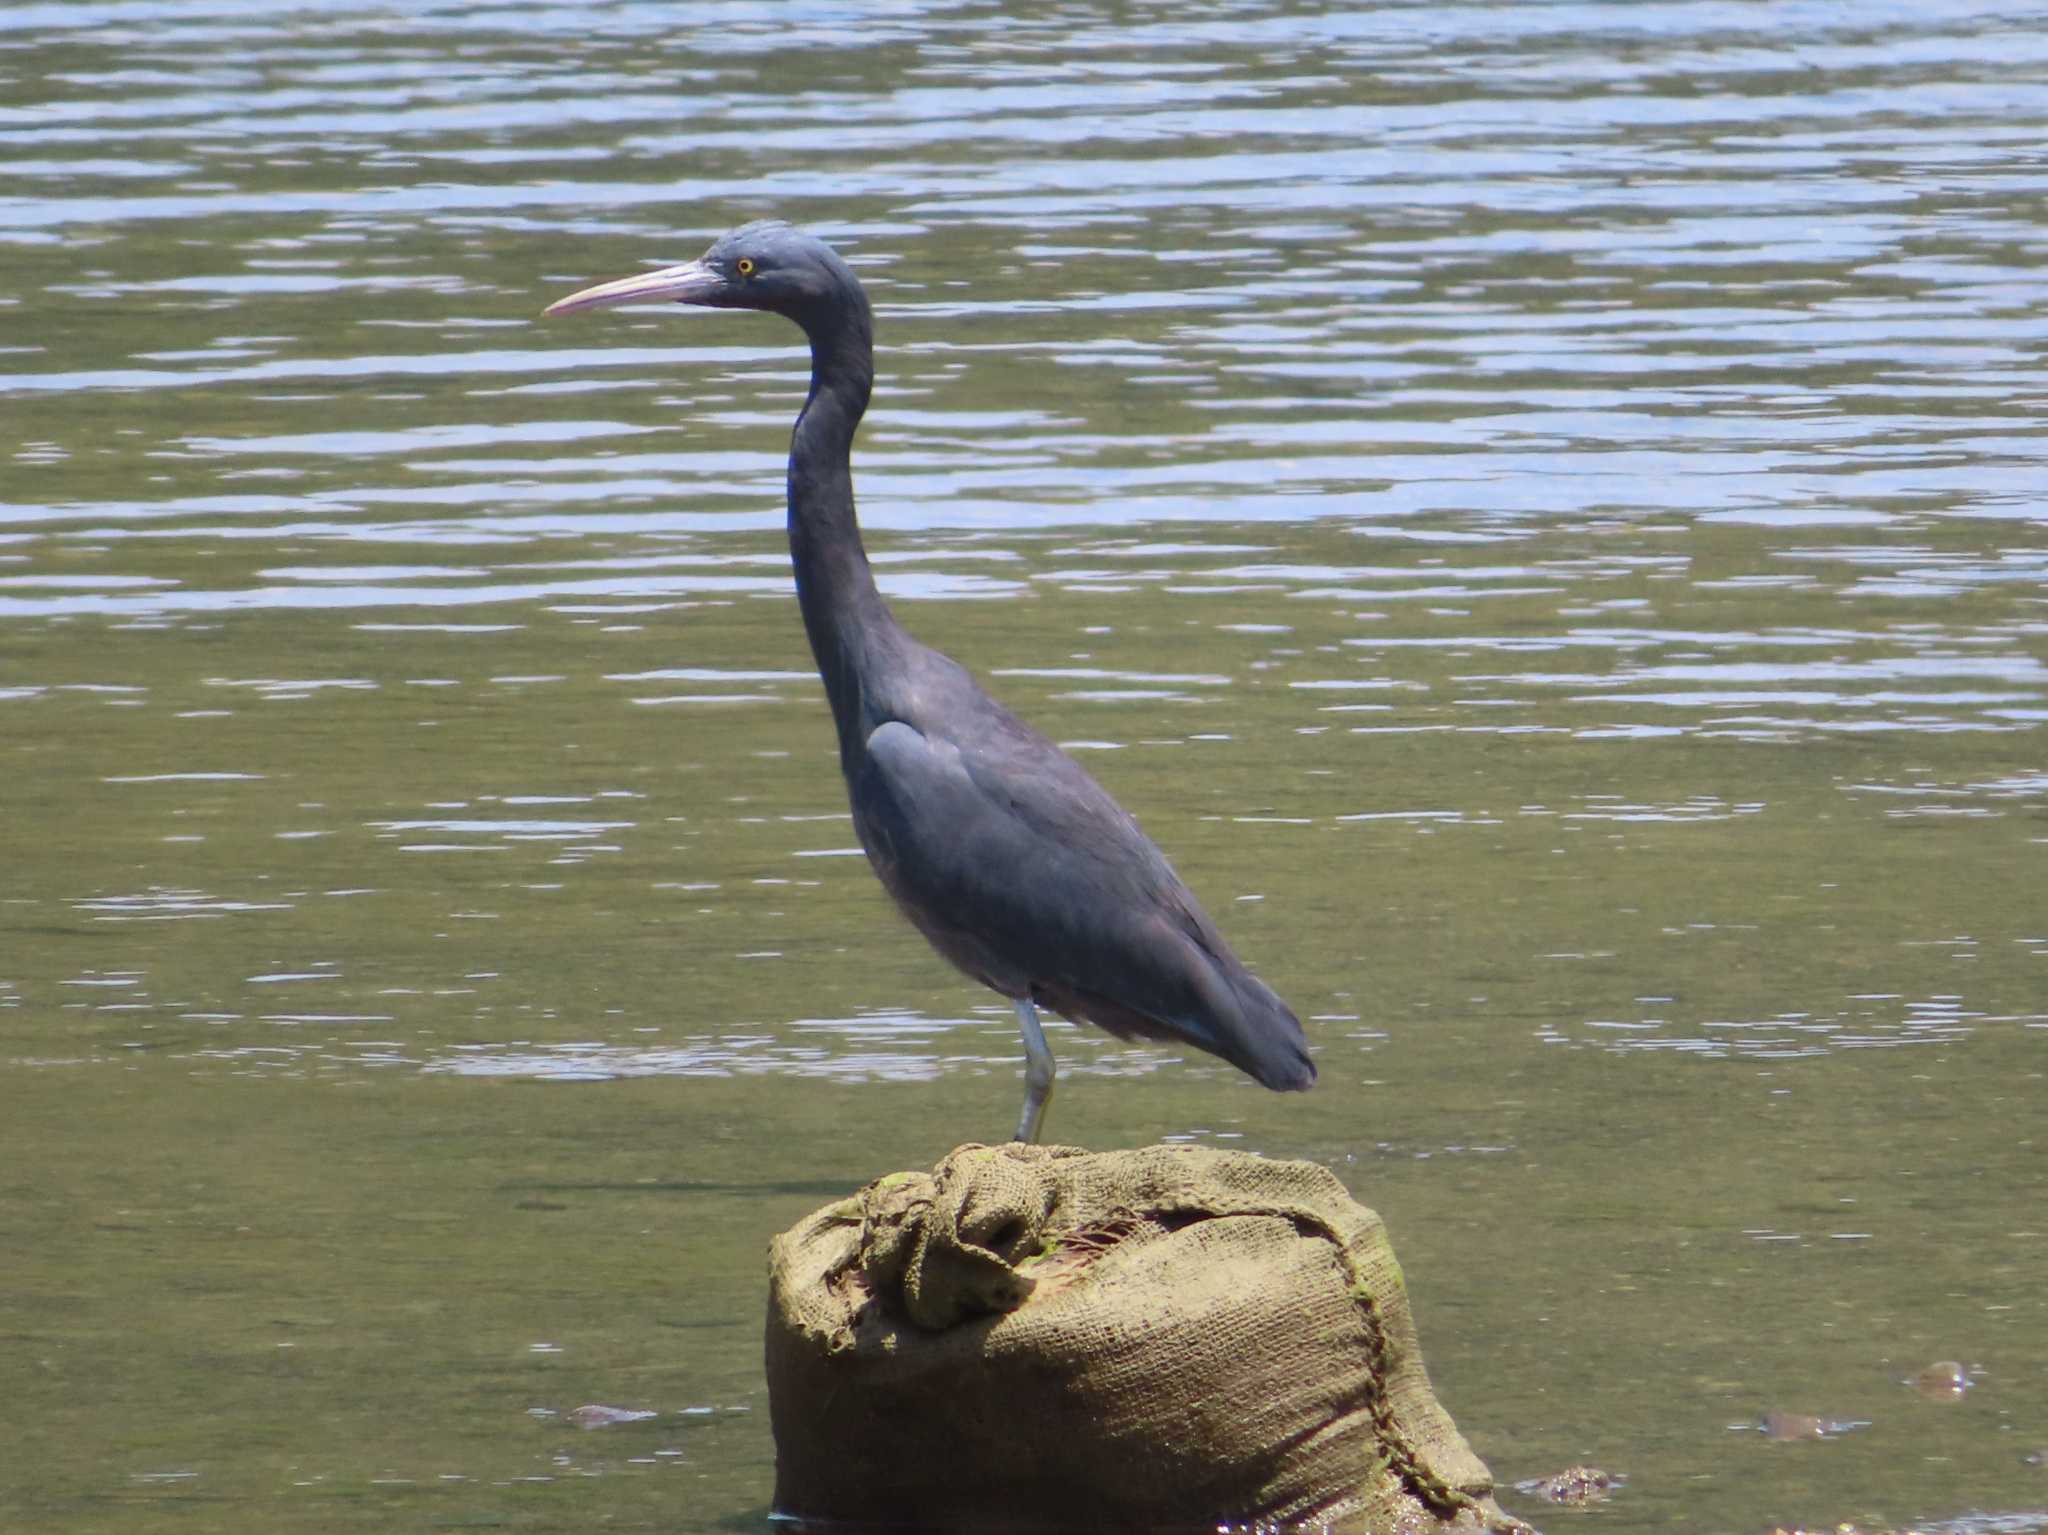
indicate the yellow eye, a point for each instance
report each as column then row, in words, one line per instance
column 744, row 266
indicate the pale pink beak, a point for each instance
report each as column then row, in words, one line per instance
column 691, row 283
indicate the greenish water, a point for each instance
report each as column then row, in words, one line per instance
column 1538, row 509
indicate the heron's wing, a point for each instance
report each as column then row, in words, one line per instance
column 1023, row 871
column 1009, row 834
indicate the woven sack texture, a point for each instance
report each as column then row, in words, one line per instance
column 1042, row 1338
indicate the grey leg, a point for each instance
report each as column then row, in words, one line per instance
column 1038, row 1071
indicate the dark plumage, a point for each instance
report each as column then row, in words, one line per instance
column 1007, row 856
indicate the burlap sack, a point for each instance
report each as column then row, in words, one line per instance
column 1041, row 1338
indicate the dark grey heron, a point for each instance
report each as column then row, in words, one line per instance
column 1015, row 864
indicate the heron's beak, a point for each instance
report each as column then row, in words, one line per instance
column 691, row 283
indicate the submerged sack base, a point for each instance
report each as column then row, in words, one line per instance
column 1042, row 1338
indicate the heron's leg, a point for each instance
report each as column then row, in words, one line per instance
column 1038, row 1071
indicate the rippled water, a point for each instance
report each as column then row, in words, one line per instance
column 1539, row 508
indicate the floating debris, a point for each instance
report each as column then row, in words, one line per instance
column 1943, row 1381
column 1574, row 1486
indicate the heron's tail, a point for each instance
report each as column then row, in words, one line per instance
column 1267, row 1043
column 1193, row 990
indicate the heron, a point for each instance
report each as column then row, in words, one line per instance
column 1015, row 864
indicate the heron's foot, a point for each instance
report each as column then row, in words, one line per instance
column 1038, row 1072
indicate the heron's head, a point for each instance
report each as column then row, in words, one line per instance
column 766, row 265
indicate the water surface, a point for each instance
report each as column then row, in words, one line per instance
column 1538, row 508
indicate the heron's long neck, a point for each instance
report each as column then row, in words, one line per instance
column 843, row 613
